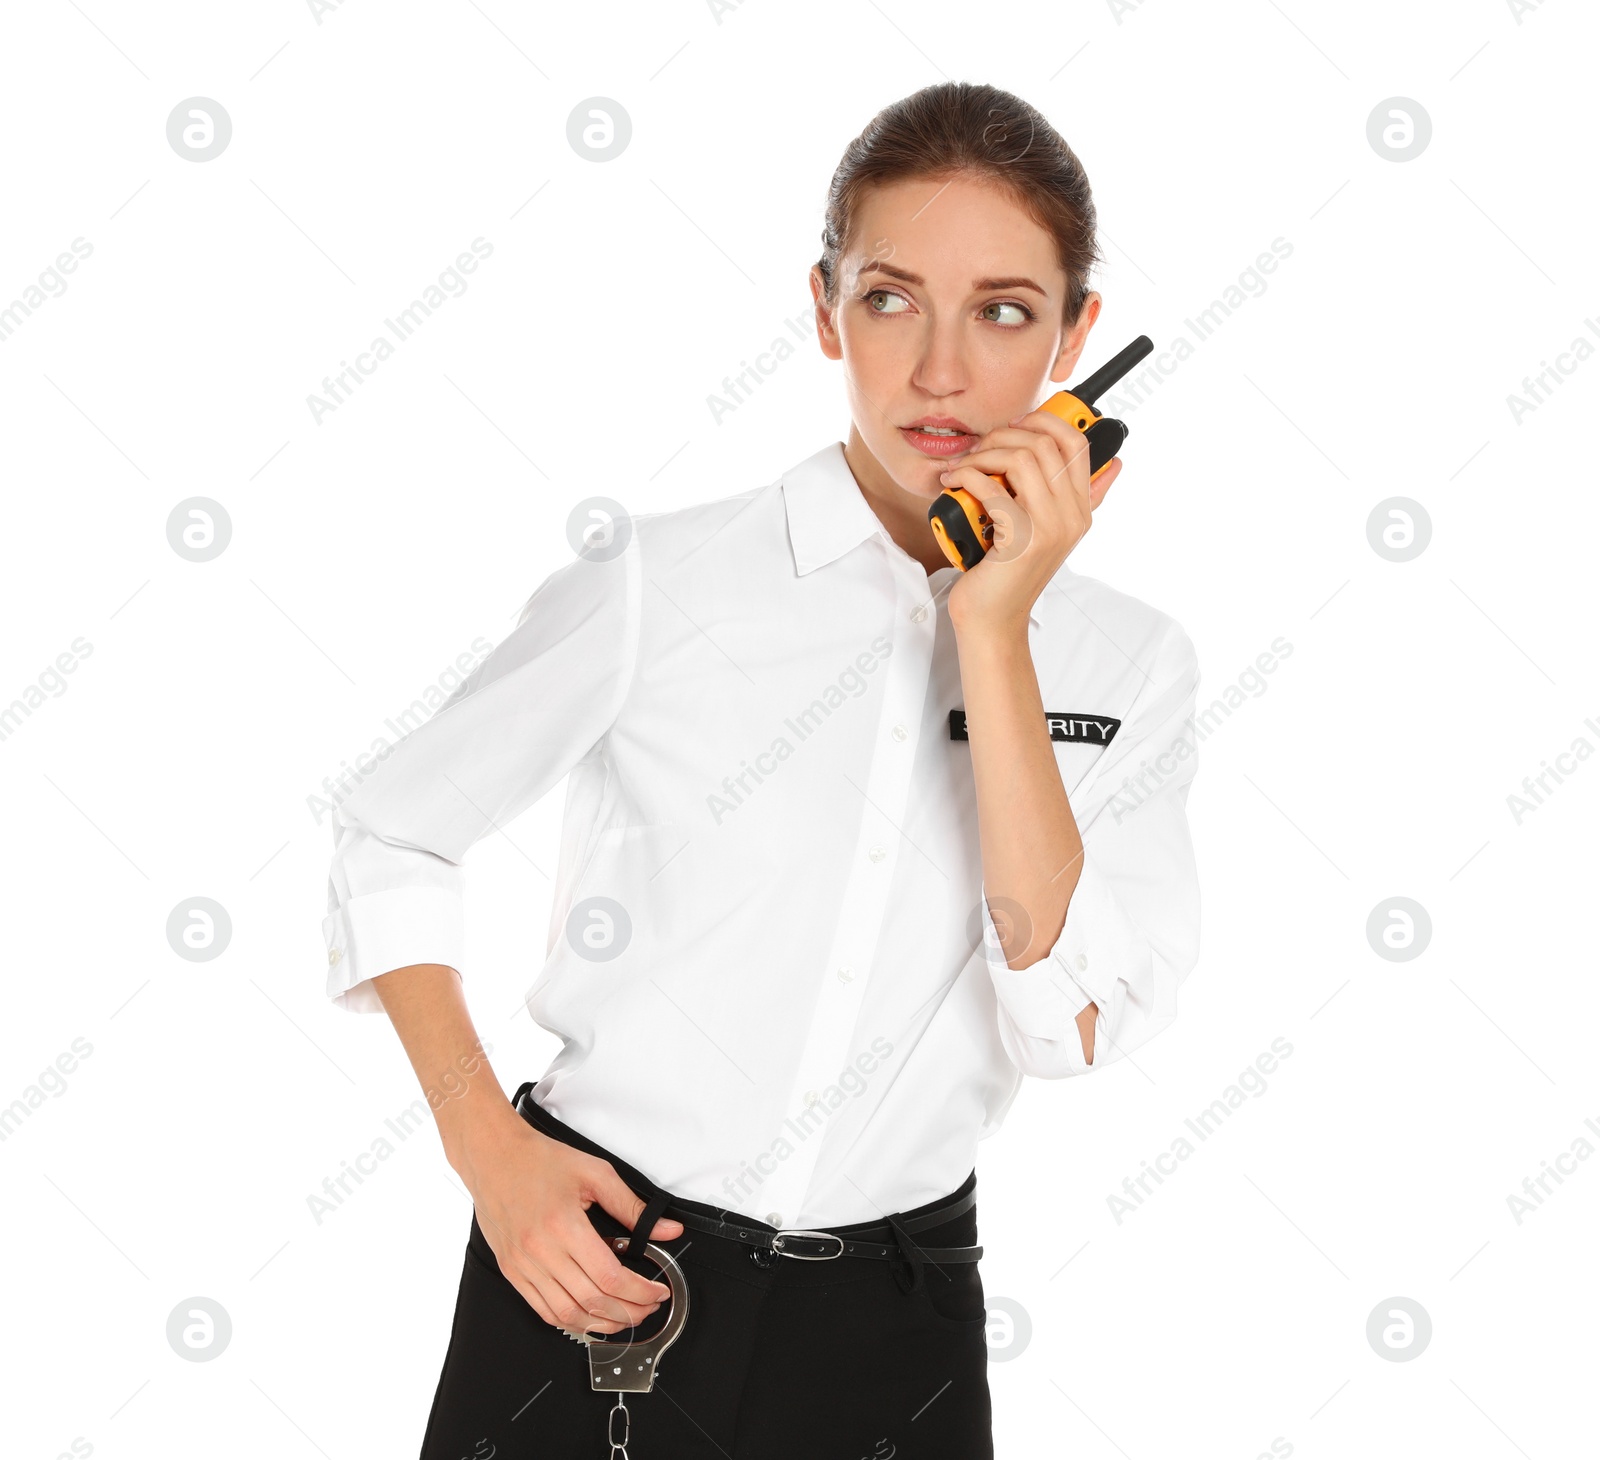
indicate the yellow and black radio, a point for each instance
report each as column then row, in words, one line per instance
column 960, row 524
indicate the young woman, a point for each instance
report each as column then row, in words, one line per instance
column 811, row 928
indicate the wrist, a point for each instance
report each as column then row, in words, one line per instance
column 998, row 631
column 473, row 1130
column 992, row 634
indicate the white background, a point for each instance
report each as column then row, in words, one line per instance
column 1230, row 1309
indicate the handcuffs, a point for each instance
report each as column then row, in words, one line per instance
column 631, row 1368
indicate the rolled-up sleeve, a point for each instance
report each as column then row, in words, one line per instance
column 524, row 716
column 1132, row 928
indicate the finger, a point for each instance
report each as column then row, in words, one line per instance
column 595, row 1257
column 1071, row 444
column 570, row 1294
column 563, row 1286
column 1023, row 479
column 993, row 495
column 1069, row 490
column 1020, row 468
column 1102, row 483
column 588, row 1267
column 521, row 1268
column 600, row 1310
column 1012, row 523
column 569, row 1312
column 1048, row 450
column 544, row 1297
column 621, row 1201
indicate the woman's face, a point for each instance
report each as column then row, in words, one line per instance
column 948, row 313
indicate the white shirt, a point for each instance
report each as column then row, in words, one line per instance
column 794, row 1004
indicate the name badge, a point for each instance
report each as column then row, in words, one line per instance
column 1080, row 729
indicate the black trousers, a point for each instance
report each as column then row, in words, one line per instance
column 800, row 1360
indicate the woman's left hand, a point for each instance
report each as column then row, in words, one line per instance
column 1045, row 463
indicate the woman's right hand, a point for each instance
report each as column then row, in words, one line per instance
column 531, row 1194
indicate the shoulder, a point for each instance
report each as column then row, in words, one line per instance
column 670, row 536
column 647, row 542
column 1076, row 610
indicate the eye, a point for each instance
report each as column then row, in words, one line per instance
column 1027, row 314
column 872, row 294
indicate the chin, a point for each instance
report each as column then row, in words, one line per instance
column 913, row 472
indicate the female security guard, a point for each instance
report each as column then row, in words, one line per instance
column 806, row 939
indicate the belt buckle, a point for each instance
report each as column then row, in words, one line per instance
column 778, row 1247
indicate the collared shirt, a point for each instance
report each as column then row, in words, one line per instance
column 771, row 958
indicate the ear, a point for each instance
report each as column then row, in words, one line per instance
column 1074, row 339
column 827, row 330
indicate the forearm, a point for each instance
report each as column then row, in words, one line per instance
column 529, row 1191
column 1027, row 835
column 1029, row 842
column 428, row 1009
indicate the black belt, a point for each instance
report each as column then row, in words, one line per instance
column 888, row 1240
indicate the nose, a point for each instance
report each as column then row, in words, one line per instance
column 942, row 369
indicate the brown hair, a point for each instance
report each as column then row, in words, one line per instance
column 969, row 127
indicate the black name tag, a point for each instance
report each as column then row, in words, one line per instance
column 1080, row 729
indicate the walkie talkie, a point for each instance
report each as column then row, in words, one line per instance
column 959, row 522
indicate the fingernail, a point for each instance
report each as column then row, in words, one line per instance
column 1013, row 421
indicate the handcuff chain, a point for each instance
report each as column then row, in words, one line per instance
column 619, row 1448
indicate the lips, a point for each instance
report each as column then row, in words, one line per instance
column 939, row 445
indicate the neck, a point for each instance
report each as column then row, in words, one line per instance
column 904, row 514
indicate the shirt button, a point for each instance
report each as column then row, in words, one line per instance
column 774, row 1219
column 1083, row 962
column 899, row 732
column 877, row 854
column 334, row 955
column 811, row 1099
column 918, row 614
column 846, row 974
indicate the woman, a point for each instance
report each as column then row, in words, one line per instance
column 809, row 929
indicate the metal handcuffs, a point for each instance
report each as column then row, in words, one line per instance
column 631, row 1368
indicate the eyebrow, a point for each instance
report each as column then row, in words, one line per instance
column 978, row 285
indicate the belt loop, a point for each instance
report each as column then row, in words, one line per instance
column 911, row 1254
column 648, row 1218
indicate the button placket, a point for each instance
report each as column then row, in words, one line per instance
column 887, row 791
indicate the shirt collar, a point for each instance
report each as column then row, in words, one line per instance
column 828, row 515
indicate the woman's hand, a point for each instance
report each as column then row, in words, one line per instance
column 1045, row 463
column 531, row 1193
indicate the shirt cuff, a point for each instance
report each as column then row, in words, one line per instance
column 1098, row 957
column 382, row 931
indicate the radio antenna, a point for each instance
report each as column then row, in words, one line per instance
column 1112, row 371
